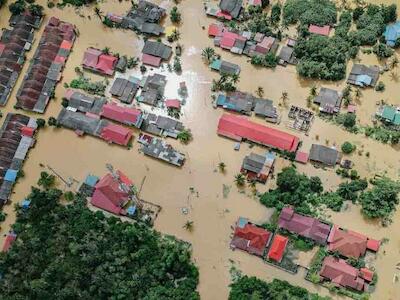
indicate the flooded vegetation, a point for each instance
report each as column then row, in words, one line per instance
column 202, row 195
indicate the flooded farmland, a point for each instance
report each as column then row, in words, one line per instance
column 198, row 186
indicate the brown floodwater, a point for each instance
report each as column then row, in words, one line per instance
column 198, row 186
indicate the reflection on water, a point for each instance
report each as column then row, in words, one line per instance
column 212, row 214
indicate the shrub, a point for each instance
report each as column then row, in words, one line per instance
column 348, row 147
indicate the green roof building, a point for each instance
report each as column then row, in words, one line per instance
column 391, row 115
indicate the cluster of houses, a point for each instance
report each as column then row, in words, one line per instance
column 246, row 103
column 346, row 243
column 14, row 43
column 144, row 17
column 16, row 138
column 46, row 66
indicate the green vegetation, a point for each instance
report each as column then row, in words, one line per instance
column 175, row 15
column 83, row 83
column 75, row 2
column 350, row 190
column 255, row 289
column 208, row 54
column 40, row 122
column 2, row 216
column 185, row 136
column 299, row 242
column 177, row 64
column 380, row 87
column 380, row 201
column 382, row 51
column 20, row 6
column 225, row 83
column 348, row 147
column 269, row 60
column 276, row 12
column 222, row 167
column 316, row 264
column 240, row 180
column 306, row 12
column 70, row 252
column 46, row 180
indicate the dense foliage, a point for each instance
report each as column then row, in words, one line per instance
column 381, row 200
column 246, row 288
column 70, row 252
column 306, row 12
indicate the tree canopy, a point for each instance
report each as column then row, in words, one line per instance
column 246, row 288
column 70, row 252
column 306, row 12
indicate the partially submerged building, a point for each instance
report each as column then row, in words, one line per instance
column 239, row 128
column 225, row 67
column 125, row 115
column 154, row 53
column 237, row 101
column 363, row 76
column 16, row 138
column 392, row 34
column 46, row 66
column 305, row 226
column 144, row 18
column 390, row 115
column 124, row 90
column 110, row 195
column 258, row 167
column 341, row 274
column 161, row 126
column 265, row 108
column 159, row 149
column 329, row 101
column 349, row 243
column 153, row 87
column 286, row 56
column 82, row 102
column 278, row 247
column 230, row 8
column 324, row 155
column 14, row 43
column 95, row 60
column 250, row 237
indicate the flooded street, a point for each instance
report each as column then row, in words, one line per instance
column 198, row 186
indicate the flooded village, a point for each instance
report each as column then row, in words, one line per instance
column 194, row 160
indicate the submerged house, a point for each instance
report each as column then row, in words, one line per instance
column 46, row 66
column 154, row 53
column 329, row 101
column 144, row 18
column 286, row 56
column 237, row 101
column 305, row 226
column 278, row 247
column 161, row 126
column 153, row 89
column 225, row 67
column 392, row 34
column 324, row 155
column 258, row 167
column 124, row 90
column 230, row 8
column 389, row 114
column 110, row 195
column 239, row 128
column 82, row 102
column 16, row 138
column 159, row 149
column 99, row 62
column 14, row 43
column 265, row 108
column 364, row 76
column 350, row 243
column 250, row 238
column 125, row 115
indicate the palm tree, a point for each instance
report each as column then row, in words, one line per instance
column 208, row 54
column 221, row 167
column 394, row 76
column 313, row 91
column 189, row 226
column 240, row 180
column 285, row 98
column 394, row 62
column 260, row 91
column 106, row 50
column 358, row 93
column 235, row 78
column 98, row 12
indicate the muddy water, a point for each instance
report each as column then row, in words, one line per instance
column 170, row 187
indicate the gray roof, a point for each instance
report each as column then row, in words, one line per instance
column 124, row 90
column 229, row 68
column 329, row 100
column 325, row 155
column 80, row 121
column 86, row 103
column 286, row 54
column 157, row 49
column 157, row 148
column 371, row 71
column 233, row 7
column 253, row 162
column 121, row 64
column 265, row 108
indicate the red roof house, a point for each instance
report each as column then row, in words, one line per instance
column 109, row 195
column 301, row 157
column 125, row 115
column 97, row 61
column 303, row 225
column 341, row 273
column 91, row 57
column 368, row 275
column 239, row 128
column 228, row 40
column 347, row 243
column 224, row 15
column 373, row 245
column 215, row 30
column 173, row 103
column 11, row 237
column 321, row 30
column 251, row 238
column 27, row 131
column 278, row 248
column 265, row 45
column 106, row 64
column 151, row 60
column 116, row 134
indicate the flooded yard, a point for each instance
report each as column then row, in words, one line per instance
column 198, row 186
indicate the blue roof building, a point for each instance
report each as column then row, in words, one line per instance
column 131, row 210
column 25, row 204
column 91, row 180
column 11, row 175
column 392, row 33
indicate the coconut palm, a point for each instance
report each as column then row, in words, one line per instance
column 285, row 98
column 260, row 91
column 222, row 167
column 394, row 63
column 208, row 54
column 189, row 226
column 240, row 180
column 235, row 78
column 313, row 91
column 98, row 12
column 358, row 93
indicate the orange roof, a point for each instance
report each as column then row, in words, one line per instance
column 66, row 45
column 278, row 248
column 348, row 243
column 373, row 245
column 367, row 274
